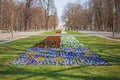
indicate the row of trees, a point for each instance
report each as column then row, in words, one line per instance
column 28, row 15
column 95, row 15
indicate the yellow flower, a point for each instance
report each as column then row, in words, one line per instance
column 76, row 58
column 73, row 51
column 88, row 54
column 45, row 51
column 30, row 54
column 59, row 59
column 41, row 58
column 58, row 49
column 84, row 51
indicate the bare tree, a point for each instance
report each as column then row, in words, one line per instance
column 49, row 7
column 12, row 4
column 28, row 15
column 97, row 15
column 0, row 14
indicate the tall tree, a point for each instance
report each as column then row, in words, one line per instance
column 97, row 15
column 49, row 7
column 28, row 14
column 0, row 14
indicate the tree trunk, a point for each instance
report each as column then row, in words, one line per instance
column 12, row 24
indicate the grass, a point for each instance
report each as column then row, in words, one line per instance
column 73, row 32
column 107, row 49
column 50, row 32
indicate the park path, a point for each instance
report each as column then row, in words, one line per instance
column 6, row 37
column 106, row 35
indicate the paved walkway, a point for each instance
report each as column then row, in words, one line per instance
column 6, row 37
column 106, row 35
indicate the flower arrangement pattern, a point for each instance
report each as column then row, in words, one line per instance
column 59, row 50
column 65, row 56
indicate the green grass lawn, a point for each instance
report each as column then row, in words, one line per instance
column 50, row 32
column 107, row 49
column 73, row 32
column 1, row 41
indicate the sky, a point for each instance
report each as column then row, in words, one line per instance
column 60, row 6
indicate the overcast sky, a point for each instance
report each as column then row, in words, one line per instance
column 60, row 6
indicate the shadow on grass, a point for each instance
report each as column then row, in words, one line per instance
column 58, row 74
column 55, row 74
column 106, row 51
column 20, row 46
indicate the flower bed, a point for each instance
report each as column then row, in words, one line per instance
column 49, row 42
column 56, row 50
column 53, row 56
column 70, row 42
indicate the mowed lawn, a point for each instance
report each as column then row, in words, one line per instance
column 107, row 49
column 50, row 32
column 73, row 32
